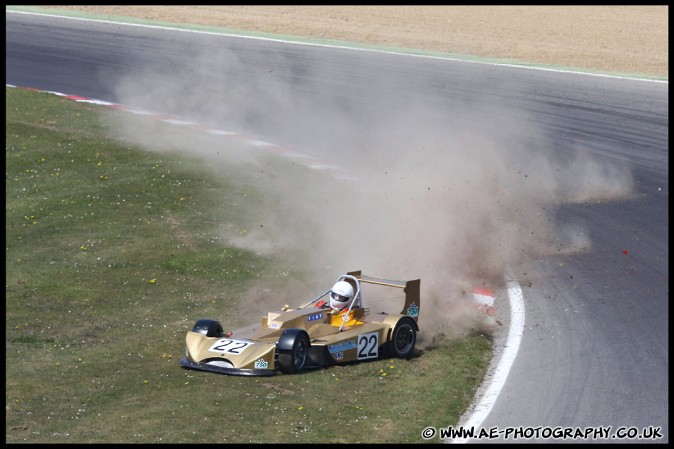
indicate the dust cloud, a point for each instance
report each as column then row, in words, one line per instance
column 454, row 189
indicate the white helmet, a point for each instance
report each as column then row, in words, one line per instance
column 340, row 295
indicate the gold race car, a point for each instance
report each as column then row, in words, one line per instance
column 291, row 340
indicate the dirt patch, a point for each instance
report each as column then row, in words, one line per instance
column 629, row 39
column 179, row 231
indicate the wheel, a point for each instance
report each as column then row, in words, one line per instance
column 292, row 361
column 403, row 339
column 209, row 328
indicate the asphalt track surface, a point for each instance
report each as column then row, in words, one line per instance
column 595, row 347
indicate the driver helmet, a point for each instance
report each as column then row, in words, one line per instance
column 340, row 295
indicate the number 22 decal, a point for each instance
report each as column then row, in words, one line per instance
column 229, row 346
column 368, row 346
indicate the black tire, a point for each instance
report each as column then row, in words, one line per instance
column 403, row 338
column 292, row 361
column 209, row 328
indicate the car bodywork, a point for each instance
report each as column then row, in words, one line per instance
column 291, row 340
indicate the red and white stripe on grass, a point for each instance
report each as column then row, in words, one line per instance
column 253, row 142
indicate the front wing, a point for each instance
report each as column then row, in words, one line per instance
column 224, row 367
column 225, row 355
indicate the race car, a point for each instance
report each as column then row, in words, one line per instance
column 292, row 340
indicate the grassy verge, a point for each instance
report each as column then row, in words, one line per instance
column 112, row 253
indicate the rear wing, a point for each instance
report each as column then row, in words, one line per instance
column 411, row 289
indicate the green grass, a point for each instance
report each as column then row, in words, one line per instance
column 113, row 252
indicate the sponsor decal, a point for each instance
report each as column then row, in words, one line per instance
column 338, row 355
column 413, row 310
column 315, row 316
column 343, row 346
column 261, row 364
column 274, row 324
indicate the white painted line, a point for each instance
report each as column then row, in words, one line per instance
column 318, row 166
column 219, row 132
column 179, row 122
column 139, row 112
column 298, row 155
column 512, row 346
column 55, row 93
column 261, row 143
column 99, row 102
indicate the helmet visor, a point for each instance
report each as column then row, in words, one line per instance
column 338, row 297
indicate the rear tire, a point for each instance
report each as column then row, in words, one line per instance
column 209, row 328
column 403, row 338
column 292, row 361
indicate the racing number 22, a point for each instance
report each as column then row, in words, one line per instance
column 368, row 346
column 229, row 346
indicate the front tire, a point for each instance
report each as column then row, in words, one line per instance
column 209, row 328
column 403, row 338
column 292, row 361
